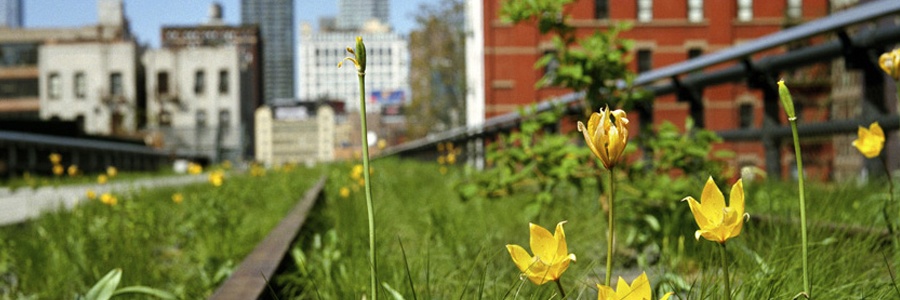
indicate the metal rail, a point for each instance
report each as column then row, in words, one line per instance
column 248, row 281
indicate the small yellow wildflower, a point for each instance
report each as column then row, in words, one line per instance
column 639, row 289
column 717, row 222
column 345, row 192
column 101, row 179
column 58, row 170
column 72, row 170
column 91, row 195
column 55, row 158
column 551, row 257
column 606, row 137
column 194, row 168
column 870, row 141
column 177, row 198
column 111, row 171
column 108, row 199
column 217, row 177
column 890, row 63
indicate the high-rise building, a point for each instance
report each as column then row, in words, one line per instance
column 353, row 14
column 275, row 19
column 11, row 13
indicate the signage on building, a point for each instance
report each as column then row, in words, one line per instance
column 291, row 113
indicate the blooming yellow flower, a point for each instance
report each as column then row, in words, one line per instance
column 194, row 168
column 551, row 257
column 357, row 172
column 717, row 222
column 108, row 199
column 112, row 171
column 55, row 158
column 73, row 170
column 638, row 290
column 101, row 179
column 870, row 140
column 217, row 177
column 177, row 198
column 345, row 192
column 91, row 195
column 890, row 63
column 58, row 170
column 606, row 137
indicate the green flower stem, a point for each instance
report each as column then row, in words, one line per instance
column 803, row 234
column 727, row 279
column 612, row 233
column 369, row 204
column 562, row 292
column 888, row 205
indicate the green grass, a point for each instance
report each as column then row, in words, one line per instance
column 187, row 249
column 455, row 249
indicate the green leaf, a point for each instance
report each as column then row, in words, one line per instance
column 146, row 291
column 106, row 286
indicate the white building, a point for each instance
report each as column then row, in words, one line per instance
column 295, row 134
column 193, row 99
column 93, row 82
column 387, row 64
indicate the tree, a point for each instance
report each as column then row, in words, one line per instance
column 437, row 69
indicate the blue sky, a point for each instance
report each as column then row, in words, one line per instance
column 148, row 16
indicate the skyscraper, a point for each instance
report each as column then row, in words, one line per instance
column 11, row 13
column 275, row 19
column 352, row 14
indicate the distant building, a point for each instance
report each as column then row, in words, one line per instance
column 387, row 72
column 353, row 14
column 203, row 86
column 275, row 19
column 295, row 134
column 11, row 13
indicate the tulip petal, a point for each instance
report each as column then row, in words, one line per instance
column 712, row 202
column 562, row 249
column 543, row 244
column 696, row 209
column 588, row 137
column 520, row 257
column 640, row 288
column 736, row 198
column 605, row 293
column 622, row 288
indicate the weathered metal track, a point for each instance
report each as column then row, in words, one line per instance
column 248, row 281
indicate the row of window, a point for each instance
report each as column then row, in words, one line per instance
column 79, row 86
column 794, row 9
column 162, row 82
column 165, row 118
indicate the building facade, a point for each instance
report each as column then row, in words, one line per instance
column 353, row 14
column 275, row 19
column 11, row 12
column 295, row 134
column 92, row 83
column 387, row 70
column 664, row 33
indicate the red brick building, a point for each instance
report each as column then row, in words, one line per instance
column 665, row 33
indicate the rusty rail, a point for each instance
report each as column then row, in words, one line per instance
column 248, row 281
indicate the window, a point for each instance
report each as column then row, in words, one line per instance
column 115, row 84
column 224, row 118
column 201, row 118
column 744, row 10
column 551, row 67
column 794, row 9
column 694, row 53
column 644, row 60
column 695, row 10
column 601, row 9
column 223, row 82
column 644, row 10
column 745, row 118
column 53, row 86
column 199, row 82
column 162, row 82
column 80, row 85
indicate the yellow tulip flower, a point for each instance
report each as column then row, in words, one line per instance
column 551, row 257
column 102, row 179
column 111, row 171
column 72, row 170
column 194, row 168
column 58, row 170
column 890, row 63
column 55, row 158
column 870, row 140
column 216, row 177
column 345, row 192
column 91, row 195
column 606, row 137
column 638, row 290
column 177, row 198
column 108, row 199
column 717, row 222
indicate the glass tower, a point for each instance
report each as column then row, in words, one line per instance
column 352, row 14
column 275, row 19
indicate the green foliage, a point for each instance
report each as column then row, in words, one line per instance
column 107, row 287
column 596, row 64
column 187, row 249
column 531, row 160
